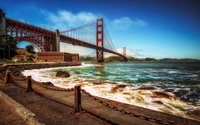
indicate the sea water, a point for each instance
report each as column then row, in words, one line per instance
column 172, row 88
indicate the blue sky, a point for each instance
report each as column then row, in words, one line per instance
column 147, row 28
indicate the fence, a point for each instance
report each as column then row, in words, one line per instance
column 9, row 77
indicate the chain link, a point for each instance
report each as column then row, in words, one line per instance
column 142, row 117
column 17, row 78
column 52, row 88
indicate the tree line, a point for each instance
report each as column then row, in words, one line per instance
column 8, row 45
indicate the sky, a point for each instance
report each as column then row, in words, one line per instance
column 147, row 28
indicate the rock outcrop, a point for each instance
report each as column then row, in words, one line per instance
column 62, row 74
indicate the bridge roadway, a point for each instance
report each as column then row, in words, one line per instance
column 102, row 111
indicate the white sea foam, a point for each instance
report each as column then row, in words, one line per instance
column 172, row 72
column 152, row 99
column 192, row 75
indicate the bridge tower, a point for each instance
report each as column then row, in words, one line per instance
column 2, row 22
column 124, row 54
column 99, row 39
column 124, row 51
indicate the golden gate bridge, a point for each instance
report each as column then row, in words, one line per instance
column 91, row 35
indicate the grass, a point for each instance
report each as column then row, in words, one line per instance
column 3, row 60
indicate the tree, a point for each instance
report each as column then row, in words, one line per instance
column 30, row 49
column 2, row 45
column 8, row 45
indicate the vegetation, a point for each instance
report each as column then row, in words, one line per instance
column 30, row 49
column 30, row 56
column 114, row 59
column 3, row 60
column 8, row 45
column 87, row 58
column 8, row 61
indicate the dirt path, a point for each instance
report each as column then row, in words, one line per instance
column 46, row 110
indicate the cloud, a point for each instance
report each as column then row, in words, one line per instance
column 129, row 52
column 125, row 23
column 64, row 19
column 64, row 47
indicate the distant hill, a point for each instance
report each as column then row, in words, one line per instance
column 179, row 60
column 133, row 59
column 87, row 58
column 113, row 59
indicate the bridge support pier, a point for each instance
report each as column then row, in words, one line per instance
column 57, row 40
column 99, row 40
column 2, row 22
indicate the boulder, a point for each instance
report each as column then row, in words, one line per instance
column 62, row 74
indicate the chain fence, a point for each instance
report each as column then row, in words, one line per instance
column 142, row 117
column 47, row 85
column 18, row 78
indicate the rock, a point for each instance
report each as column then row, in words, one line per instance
column 158, row 102
column 160, row 94
column 118, row 87
column 196, row 112
column 146, row 87
column 49, row 83
column 62, row 74
column 181, row 92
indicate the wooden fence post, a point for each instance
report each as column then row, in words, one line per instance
column 77, row 100
column 7, row 77
column 29, row 85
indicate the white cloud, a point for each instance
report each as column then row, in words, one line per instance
column 64, row 20
column 128, row 52
column 125, row 23
column 64, row 47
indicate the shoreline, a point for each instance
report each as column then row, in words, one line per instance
column 125, row 105
column 148, row 97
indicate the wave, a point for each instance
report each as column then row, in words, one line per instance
column 155, row 92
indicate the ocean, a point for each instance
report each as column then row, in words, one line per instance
column 172, row 88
